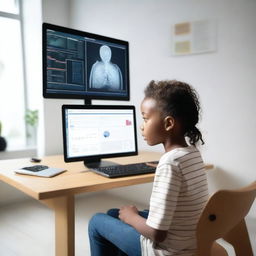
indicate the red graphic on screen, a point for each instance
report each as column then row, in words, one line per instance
column 128, row 122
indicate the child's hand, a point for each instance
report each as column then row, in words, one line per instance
column 126, row 213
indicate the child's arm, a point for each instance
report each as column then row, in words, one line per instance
column 129, row 214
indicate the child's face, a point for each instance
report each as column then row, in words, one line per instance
column 153, row 129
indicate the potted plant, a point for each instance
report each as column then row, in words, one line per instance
column 3, row 143
column 31, row 118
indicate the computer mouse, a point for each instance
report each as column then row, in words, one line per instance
column 35, row 160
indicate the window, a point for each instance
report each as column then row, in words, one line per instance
column 12, row 86
column 9, row 6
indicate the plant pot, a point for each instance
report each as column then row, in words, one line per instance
column 31, row 135
column 3, row 143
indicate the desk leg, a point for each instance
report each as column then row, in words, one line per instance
column 64, row 224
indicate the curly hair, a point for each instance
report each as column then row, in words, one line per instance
column 179, row 100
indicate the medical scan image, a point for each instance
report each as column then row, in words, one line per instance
column 104, row 73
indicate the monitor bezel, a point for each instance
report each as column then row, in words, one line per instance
column 93, row 158
column 46, row 94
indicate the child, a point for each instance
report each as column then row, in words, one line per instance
column 170, row 111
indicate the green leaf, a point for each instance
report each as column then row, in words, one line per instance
column 31, row 117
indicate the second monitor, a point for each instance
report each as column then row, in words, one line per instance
column 93, row 132
column 82, row 65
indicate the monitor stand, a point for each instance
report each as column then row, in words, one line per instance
column 87, row 101
column 96, row 162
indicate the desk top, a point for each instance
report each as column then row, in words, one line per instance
column 77, row 179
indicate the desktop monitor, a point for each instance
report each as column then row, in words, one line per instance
column 93, row 132
column 82, row 65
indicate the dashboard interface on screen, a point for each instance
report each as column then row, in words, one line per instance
column 99, row 131
column 78, row 64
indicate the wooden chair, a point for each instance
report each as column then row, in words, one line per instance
column 223, row 217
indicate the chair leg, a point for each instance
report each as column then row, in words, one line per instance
column 218, row 250
column 240, row 240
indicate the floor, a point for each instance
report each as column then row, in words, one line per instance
column 27, row 228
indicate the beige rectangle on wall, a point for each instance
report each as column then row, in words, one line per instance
column 182, row 28
column 194, row 37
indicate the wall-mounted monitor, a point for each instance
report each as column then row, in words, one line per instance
column 93, row 132
column 82, row 65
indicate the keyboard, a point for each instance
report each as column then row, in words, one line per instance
column 115, row 171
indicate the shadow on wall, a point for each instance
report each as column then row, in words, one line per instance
column 218, row 179
column 221, row 179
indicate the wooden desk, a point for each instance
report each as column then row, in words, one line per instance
column 58, row 192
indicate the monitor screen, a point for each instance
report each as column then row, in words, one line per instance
column 92, row 132
column 81, row 65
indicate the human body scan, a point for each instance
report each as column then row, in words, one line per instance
column 104, row 73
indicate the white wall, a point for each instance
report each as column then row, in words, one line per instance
column 224, row 79
column 50, row 141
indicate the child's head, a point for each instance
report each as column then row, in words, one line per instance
column 176, row 106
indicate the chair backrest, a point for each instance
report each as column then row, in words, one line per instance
column 223, row 217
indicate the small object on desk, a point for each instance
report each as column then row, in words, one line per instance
column 35, row 160
column 40, row 170
column 152, row 163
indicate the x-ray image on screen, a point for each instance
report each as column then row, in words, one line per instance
column 105, row 72
column 82, row 65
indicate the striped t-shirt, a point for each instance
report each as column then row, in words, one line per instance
column 179, row 194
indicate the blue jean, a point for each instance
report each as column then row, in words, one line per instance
column 109, row 236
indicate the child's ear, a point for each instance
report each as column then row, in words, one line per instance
column 169, row 123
